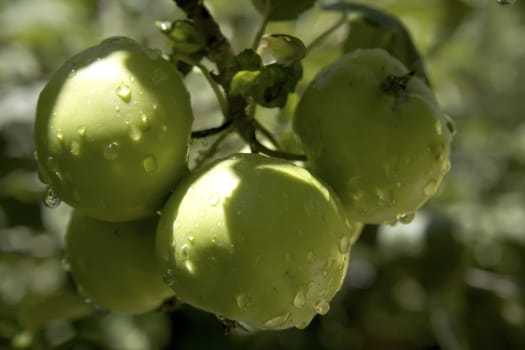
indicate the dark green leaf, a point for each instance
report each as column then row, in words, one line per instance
column 282, row 10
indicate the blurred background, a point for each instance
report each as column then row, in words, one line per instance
column 452, row 279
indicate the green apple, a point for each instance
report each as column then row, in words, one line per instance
column 114, row 264
column 255, row 239
column 376, row 134
column 112, row 129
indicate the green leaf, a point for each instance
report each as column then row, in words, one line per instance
column 372, row 28
column 282, row 10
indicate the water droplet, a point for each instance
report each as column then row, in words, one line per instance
column 407, row 217
column 75, row 148
column 169, row 277
column 111, row 151
column 117, row 108
column 430, row 188
column 81, row 131
column 155, row 107
column 300, row 299
column 439, row 128
column 243, row 301
column 302, row 325
column 277, row 321
column 322, row 307
column 131, row 79
column 149, row 164
column 191, row 239
column 185, row 251
column 146, row 122
column 189, row 266
column 437, row 151
column 51, row 200
column 214, row 199
column 344, row 245
column 124, row 92
column 60, row 136
column 134, row 132
column 386, row 197
column 445, row 166
column 505, row 2
column 72, row 73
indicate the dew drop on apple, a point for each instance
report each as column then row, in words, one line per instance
column 75, row 148
column 322, row 307
column 214, row 199
column 51, row 200
column 445, row 166
column 302, row 325
column 81, row 131
column 189, row 266
column 124, row 92
column 277, row 321
column 145, row 121
column 242, row 300
column 430, row 188
column 111, row 151
column 344, row 244
column 135, row 134
column 149, row 164
column 407, row 217
column 185, row 251
column 299, row 299
column 60, row 136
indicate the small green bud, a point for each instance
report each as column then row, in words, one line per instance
column 185, row 37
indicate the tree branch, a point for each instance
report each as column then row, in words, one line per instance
column 219, row 48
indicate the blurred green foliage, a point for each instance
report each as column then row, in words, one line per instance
column 452, row 279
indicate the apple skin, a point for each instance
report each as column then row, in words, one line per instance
column 112, row 130
column 385, row 153
column 114, row 264
column 255, row 239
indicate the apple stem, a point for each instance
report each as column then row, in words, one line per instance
column 397, row 85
